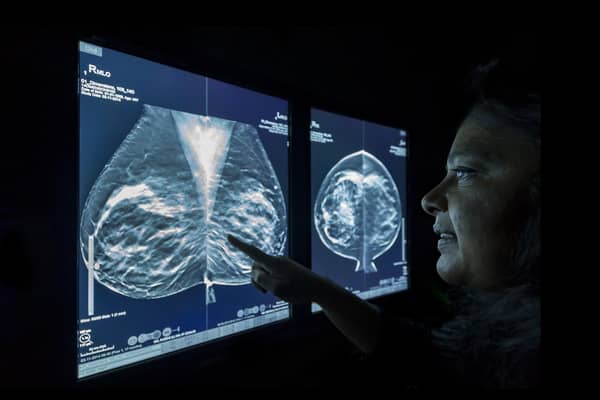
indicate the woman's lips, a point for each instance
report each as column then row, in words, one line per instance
column 446, row 240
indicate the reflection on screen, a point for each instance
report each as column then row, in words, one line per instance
column 358, row 174
column 170, row 163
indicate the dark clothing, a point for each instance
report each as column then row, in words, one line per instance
column 406, row 356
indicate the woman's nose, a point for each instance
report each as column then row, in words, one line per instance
column 434, row 201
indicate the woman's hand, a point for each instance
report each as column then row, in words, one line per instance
column 280, row 275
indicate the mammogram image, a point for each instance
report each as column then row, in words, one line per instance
column 160, row 210
column 357, row 212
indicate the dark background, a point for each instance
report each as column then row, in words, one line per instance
column 409, row 78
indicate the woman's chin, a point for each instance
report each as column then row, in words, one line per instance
column 447, row 268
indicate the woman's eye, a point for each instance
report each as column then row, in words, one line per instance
column 463, row 173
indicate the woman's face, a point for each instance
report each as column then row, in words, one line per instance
column 476, row 206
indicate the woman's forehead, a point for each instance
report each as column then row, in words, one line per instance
column 474, row 141
column 480, row 138
column 493, row 147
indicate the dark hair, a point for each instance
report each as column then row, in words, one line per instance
column 509, row 94
column 495, row 337
column 494, row 340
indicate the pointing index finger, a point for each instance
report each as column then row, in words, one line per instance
column 251, row 251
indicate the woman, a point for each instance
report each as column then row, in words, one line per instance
column 487, row 213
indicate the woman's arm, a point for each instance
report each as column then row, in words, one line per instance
column 357, row 319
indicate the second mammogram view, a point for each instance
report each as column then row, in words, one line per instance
column 161, row 209
column 357, row 211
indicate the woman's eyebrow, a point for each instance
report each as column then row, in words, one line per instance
column 475, row 155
